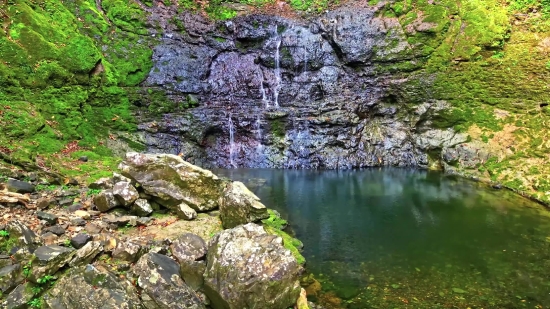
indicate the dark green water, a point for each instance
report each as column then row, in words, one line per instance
column 399, row 238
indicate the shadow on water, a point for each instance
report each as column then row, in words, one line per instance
column 402, row 238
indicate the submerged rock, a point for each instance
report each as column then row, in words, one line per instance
column 245, row 266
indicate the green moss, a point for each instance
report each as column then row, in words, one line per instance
column 278, row 128
column 289, row 243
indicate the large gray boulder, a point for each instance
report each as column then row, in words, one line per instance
column 247, row 267
column 91, row 287
column 158, row 276
column 240, row 206
column 190, row 251
column 172, row 181
column 48, row 260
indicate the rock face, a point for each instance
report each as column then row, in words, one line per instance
column 89, row 287
column 279, row 93
column 246, row 266
column 190, row 251
column 158, row 276
column 239, row 206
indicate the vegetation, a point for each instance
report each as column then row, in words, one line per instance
column 275, row 225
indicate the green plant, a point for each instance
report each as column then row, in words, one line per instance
column 92, row 192
column 27, row 269
column 67, row 243
column 548, row 65
column 45, row 279
column 35, row 303
column 36, row 290
column 4, row 233
column 498, row 55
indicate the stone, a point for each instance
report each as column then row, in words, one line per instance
column 86, row 254
column 48, row 217
column 48, row 260
column 80, row 240
column 44, row 203
column 20, row 296
column 121, row 221
column 190, row 251
column 25, row 236
column 83, row 159
column 101, row 184
column 158, row 276
column 91, row 287
column 141, row 207
column 10, row 276
column 245, row 265
column 5, row 260
column 240, row 206
column 65, row 202
column 188, row 247
column 83, row 214
column 77, row 221
column 172, row 181
column 120, row 178
column 75, row 207
column 185, row 212
column 56, row 229
column 125, row 193
column 129, row 251
column 93, row 228
column 49, row 238
column 144, row 221
column 105, row 201
column 18, row 186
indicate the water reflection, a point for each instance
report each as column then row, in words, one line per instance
column 394, row 224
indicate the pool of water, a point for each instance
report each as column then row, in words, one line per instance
column 400, row 238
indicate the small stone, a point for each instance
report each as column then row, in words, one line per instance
column 49, row 238
column 65, row 202
column 75, row 207
column 497, row 186
column 102, row 183
column 44, row 203
column 10, row 277
column 142, row 207
column 73, row 182
column 56, row 229
column 20, row 296
column 80, row 240
column 119, row 178
column 105, row 201
column 83, row 159
column 144, row 220
column 92, row 228
column 48, row 217
column 77, row 221
column 129, row 251
column 18, row 186
column 125, row 193
column 86, row 254
column 83, row 214
column 185, row 212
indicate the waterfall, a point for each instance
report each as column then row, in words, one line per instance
column 265, row 101
column 231, row 142
column 277, row 87
column 258, row 129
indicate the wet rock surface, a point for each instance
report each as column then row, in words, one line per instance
column 274, row 92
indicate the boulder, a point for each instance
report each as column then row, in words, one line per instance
column 20, row 296
column 56, row 229
column 185, row 212
column 48, row 260
column 129, row 251
column 240, row 206
column 86, row 254
column 142, row 207
column 105, row 201
column 91, row 287
column 18, row 186
column 245, row 265
column 48, row 217
column 125, row 193
column 80, row 240
column 102, row 183
column 158, row 276
column 10, row 276
column 25, row 236
column 172, row 181
column 190, row 251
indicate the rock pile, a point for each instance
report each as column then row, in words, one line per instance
column 115, row 250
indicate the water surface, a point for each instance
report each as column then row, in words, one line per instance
column 399, row 238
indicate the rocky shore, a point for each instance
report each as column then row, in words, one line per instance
column 151, row 236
